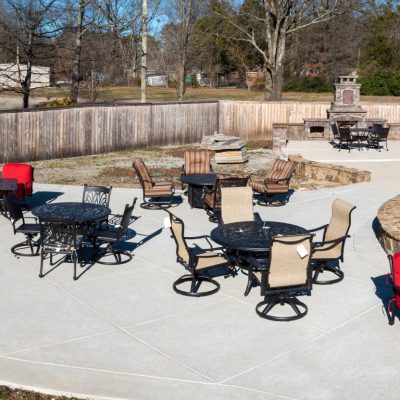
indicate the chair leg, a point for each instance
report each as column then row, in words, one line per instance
column 26, row 244
column 195, row 282
column 74, row 259
column 392, row 311
column 41, row 264
column 263, row 308
column 322, row 267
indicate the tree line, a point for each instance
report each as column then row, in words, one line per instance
column 294, row 44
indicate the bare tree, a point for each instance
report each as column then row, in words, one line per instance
column 266, row 25
column 143, row 69
column 26, row 27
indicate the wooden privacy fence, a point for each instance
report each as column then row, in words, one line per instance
column 55, row 133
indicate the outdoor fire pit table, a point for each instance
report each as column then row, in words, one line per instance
column 196, row 184
column 80, row 213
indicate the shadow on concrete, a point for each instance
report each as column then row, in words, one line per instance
column 383, row 291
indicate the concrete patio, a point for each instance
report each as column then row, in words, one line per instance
column 122, row 332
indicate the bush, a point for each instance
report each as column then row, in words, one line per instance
column 310, row 85
column 383, row 83
column 63, row 101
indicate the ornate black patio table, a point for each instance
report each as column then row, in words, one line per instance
column 252, row 236
column 196, row 184
column 80, row 213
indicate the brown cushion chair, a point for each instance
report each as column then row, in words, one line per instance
column 196, row 262
column 275, row 183
column 284, row 275
column 334, row 236
column 156, row 194
column 212, row 197
column 236, row 204
column 196, row 162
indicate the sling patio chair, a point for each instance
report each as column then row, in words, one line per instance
column 23, row 173
column 196, row 162
column 346, row 139
column 331, row 248
column 379, row 135
column 30, row 230
column 156, row 194
column 283, row 276
column 212, row 196
column 237, row 205
column 196, row 261
column 275, row 188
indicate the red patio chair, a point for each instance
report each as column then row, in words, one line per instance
column 23, row 173
column 394, row 277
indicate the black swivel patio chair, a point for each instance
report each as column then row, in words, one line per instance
column 284, row 275
column 97, row 195
column 196, row 261
column 345, row 138
column 112, row 236
column 379, row 135
column 30, row 230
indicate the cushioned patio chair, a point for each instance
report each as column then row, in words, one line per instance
column 196, row 162
column 30, row 230
column 394, row 279
column 286, row 274
column 196, row 261
column 237, row 204
column 212, row 196
column 275, row 188
column 23, row 173
column 111, row 235
column 331, row 248
column 156, row 194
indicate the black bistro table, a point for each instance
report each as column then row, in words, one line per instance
column 79, row 213
column 252, row 239
column 196, row 184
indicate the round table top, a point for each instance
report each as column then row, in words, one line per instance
column 199, row 179
column 253, row 235
column 71, row 211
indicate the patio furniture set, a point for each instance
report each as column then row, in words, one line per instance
column 64, row 230
column 360, row 137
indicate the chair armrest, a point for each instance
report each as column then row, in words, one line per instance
column 331, row 243
column 208, row 190
column 34, row 218
column 207, row 239
column 317, row 229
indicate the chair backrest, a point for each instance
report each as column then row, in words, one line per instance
column 13, row 208
column 281, row 170
column 23, row 173
column 383, row 132
column 197, row 162
column 96, row 195
column 59, row 234
column 287, row 268
column 344, row 133
column 226, row 180
column 126, row 218
column 340, row 222
column 143, row 174
column 376, row 127
column 178, row 232
column 335, row 130
column 237, row 204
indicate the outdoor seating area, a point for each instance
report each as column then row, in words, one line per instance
column 147, row 279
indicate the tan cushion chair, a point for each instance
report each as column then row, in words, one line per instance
column 276, row 182
column 196, row 162
column 156, row 195
column 195, row 262
column 334, row 236
column 286, row 274
column 236, row 204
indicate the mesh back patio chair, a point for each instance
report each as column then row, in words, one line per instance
column 335, row 131
column 212, row 196
column 394, row 279
column 196, row 261
column 345, row 138
column 331, row 248
column 287, row 273
column 275, row 188
column 196, row 162
column 23, row 173
column 156, row 194
column 236, row 204
column 379, row 135
column 112, row 236
column 30, row 230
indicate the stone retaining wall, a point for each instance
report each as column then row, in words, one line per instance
column 389, row 225
column 328, row 172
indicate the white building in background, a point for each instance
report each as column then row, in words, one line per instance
column 12, row 74
column 157, row 80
